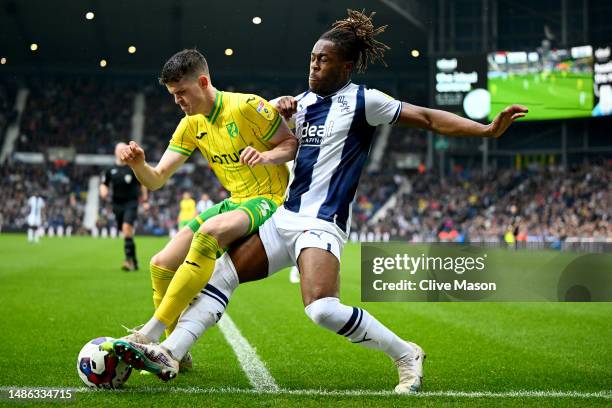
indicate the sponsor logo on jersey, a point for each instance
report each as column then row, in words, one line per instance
column 232, row 129
column 227, row 158
column 312, row 135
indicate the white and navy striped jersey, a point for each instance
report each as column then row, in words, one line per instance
column 335, row 134
column 36, row 204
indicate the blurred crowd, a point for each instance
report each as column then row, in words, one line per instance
column 86, row 113
column 509, row 206
column 91, row 114
column 63, row 187
column 540, row 205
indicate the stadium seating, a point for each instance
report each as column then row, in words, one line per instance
column 89, row 114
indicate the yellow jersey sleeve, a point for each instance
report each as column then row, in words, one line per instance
column 183, row 140
column 261, row 116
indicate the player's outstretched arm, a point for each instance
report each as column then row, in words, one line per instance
column 151, row 177
column 447, row 123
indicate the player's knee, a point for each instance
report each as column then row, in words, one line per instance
column 127, row 230
column 321, row 310
column 216, row 228
column 160, row 261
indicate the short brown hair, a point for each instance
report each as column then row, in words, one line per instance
column 184, row 63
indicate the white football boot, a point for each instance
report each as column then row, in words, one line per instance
column 186, row 363
column 149, row 357
column 137, row 337
column 410, row 370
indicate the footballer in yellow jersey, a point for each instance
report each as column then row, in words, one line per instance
column 247, row 144
column 187, row 210
column 236, row 122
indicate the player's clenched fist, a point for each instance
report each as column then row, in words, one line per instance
column 132, row 154
column 286, row 106
column 250, row 156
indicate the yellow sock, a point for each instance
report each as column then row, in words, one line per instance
column 160, row 280
column 189, row 278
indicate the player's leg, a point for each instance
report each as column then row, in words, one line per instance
column 127, row 228
column 31, row 232
column 246, row 261
column 119, row 211
column 129, row 248
column 38, row 231
column 319, row 264
column 215, row 234
column 164, row 264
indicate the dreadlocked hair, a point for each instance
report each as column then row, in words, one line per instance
column 355, row 37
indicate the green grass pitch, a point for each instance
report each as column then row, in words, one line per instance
column 59, row 294
column 548, row 96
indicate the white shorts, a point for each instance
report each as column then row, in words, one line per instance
column 286, row 233
column 34, row 221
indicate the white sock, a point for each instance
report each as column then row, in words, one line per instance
column 206, row 310
column 358, row 326
column 30, row 235
column 179, row 342
column 153, row 329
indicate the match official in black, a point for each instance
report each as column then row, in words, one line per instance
column 126, row 191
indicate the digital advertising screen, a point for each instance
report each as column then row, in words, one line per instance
column 602, row 74
column 460, row 86
column 555, row 84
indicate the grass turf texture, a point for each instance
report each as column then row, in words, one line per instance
column 58, row 295
column 548, row 96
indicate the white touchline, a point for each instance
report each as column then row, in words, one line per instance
column 321, row 392
column 253, row 367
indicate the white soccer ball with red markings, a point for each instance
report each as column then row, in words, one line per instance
column 100, row 368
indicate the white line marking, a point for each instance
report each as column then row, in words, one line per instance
column 253, row 367
column 338, row 393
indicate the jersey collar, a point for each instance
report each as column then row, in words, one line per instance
column 216, row 107
column 331, row 94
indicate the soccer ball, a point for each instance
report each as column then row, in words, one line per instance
column 99, row 368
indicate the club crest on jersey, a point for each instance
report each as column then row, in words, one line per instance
column 313, row 134
column 232, row 129
column 344, row 104
column 128, row 178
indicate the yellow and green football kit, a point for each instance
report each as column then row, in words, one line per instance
column 236, row 122
column 187, row 208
